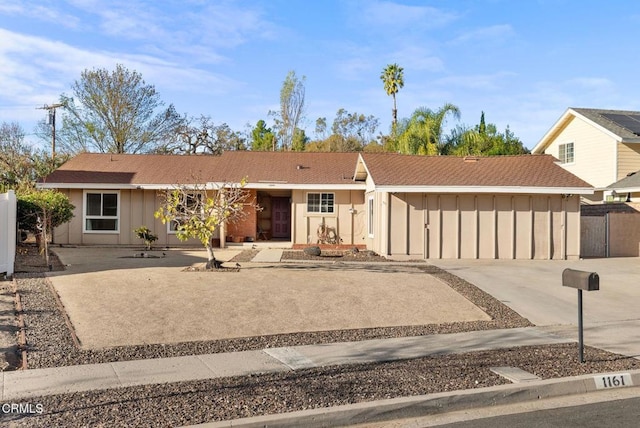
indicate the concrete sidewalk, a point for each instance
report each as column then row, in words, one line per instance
column 31, row 383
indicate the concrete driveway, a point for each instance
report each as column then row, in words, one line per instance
column 533, row 288
column 113, row 298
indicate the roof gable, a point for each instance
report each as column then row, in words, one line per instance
column 600, row 119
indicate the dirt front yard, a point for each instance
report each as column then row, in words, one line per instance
column 114, row 299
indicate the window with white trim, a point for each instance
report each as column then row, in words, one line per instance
column 370, row 217
column 565, row 153
column 320, row 203
column 101, row 211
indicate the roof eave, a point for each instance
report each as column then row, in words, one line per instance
column 487, row 189
column 545, row 141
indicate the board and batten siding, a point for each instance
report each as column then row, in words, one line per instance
column 348, row 221
column 483, row 226
column 592, row 146
column 136, row 209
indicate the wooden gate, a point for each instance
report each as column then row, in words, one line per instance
column 593, row 236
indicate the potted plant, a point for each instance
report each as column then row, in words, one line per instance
column 145, row 234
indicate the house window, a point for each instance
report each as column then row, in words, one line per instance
column 101, row 211
column 565, row 153
column 370, row 218
column 320, row 202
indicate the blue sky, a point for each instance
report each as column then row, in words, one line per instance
column 521, row 62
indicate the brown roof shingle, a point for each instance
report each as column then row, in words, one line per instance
column 295, row 168
column 496, row 171
column 280, row 167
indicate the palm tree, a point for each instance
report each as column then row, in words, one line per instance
column 393, row 78
column 422, row 132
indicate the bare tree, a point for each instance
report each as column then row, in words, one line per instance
column 199, row 211
column 115, row 112
column 291, row 114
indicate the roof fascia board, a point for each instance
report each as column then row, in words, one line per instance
column 289, row 186
column 546, row 138
column 87, row 186
column 545, row 141
column 486, row 189
column 258, row 186
column 597, row 126
column 364, row 165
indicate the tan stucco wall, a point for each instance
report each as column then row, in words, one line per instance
column 594, row 152
column 482, row 226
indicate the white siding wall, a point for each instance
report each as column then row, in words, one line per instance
column 595, row 152
column 628, row 159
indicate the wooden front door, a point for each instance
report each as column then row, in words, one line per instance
column 281, row 218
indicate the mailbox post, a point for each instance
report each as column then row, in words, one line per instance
column 587, row 281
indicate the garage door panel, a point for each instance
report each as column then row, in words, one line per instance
column 468, row 235
column 486, row 227
column 449, row 212
column 505, row 227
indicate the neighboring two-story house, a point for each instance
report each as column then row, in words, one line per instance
column 600, row 146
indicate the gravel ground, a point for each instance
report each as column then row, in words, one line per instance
column 50, row 344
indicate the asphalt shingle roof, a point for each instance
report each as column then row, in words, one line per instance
column 495, row 171
column 282, row 167
column 596, row 115
column 314, row 168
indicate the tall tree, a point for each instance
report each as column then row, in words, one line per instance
column 20, row 164
column 422, row 133
column 321, row 128
column 300, row 140
column 485, row 140
column 356, row 127
column 262, row 138
column 193, row 136
column 291, row 114
column 116, row 112
column 393, row 78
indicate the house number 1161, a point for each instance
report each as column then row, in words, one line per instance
column 613, row 381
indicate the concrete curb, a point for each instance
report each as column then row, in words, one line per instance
column 423, row 405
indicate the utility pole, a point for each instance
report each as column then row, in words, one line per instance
column 52, row 122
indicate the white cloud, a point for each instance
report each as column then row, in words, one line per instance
column 390, row 15
column 34, row 10
column 36, row 71
column 493, row 33
column 478, row 81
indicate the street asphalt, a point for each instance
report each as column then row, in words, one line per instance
column 532, row 288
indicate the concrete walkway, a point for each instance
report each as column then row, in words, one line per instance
column 268, row 255
column 31, row 383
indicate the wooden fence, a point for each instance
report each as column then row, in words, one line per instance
column 615, row 234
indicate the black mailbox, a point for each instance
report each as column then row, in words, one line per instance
column 587, row 281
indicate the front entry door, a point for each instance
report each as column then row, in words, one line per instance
column 281, row 218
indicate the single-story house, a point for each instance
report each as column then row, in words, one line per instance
column 600, row 146
column 513, row 207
